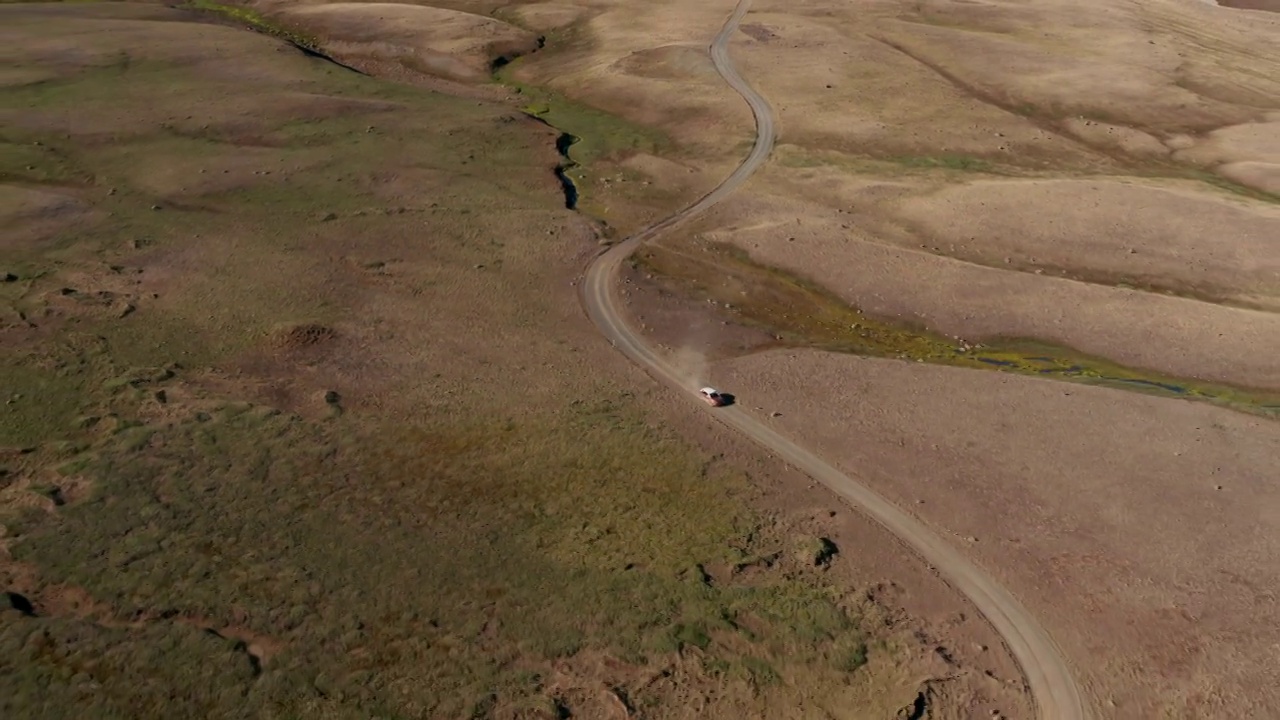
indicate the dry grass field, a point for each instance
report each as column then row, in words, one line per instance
column 1071, row 191
column 302, row 417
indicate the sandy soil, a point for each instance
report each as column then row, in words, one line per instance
column 545, row 17
column 31, row 215
column 1208, row 246
column 683, row 326
column 983, row 244
column 435, row 41
column 953, row 295
column 651, row 68
column 1076, row 85
column 1248, row 154
column 1055, row 490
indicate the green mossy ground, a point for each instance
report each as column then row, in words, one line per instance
column 189, row 552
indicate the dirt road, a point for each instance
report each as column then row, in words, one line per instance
column 1052, row 685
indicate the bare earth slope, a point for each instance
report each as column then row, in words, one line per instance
column 428, row 40
column 1212, row 247
column 955, row 284
column 1155, row 519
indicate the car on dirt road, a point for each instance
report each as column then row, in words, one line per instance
column 712, row 397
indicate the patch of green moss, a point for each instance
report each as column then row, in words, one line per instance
column 963, row 163
column 36, row 403
column 602, row 135
column 258, row 22
column 690, row 635
column 252, row 512
column 1232, row 187
column 850, row 655
column 760, row 672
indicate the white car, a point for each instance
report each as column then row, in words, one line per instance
column 712, row 396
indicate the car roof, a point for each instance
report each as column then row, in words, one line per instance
column 709, row 390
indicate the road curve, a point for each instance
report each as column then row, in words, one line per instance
column 1052, row 686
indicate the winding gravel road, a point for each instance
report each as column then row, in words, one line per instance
column 1052, row 685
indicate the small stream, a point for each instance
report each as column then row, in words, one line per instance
column 563, row 143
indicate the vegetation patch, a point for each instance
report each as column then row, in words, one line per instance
column 963, row 163
column 258, row 22
column 798, row 156
column 602, row 136
column 37, row 401
column 376, row 558
column 599, row 139
column 1231, row 186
